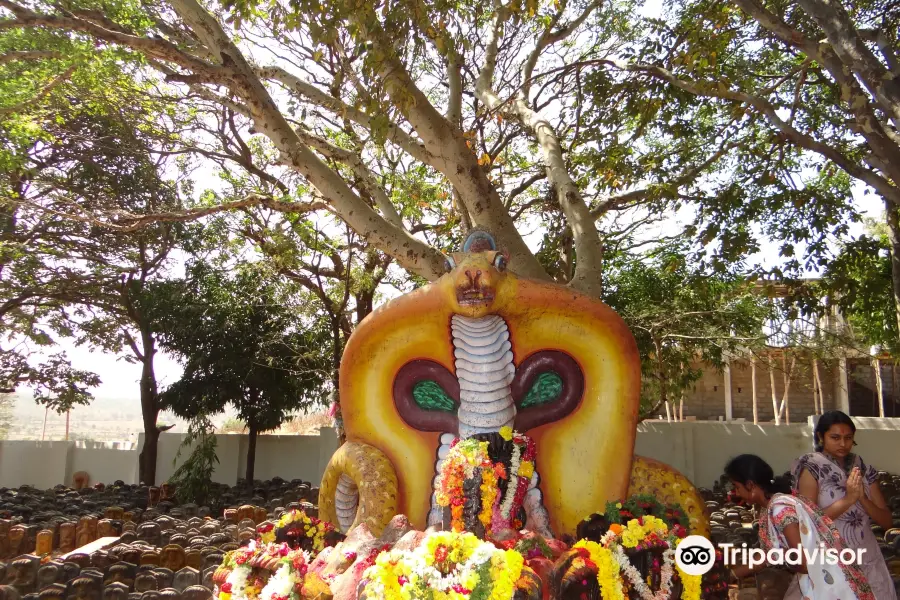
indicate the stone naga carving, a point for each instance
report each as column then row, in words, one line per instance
column 475, row 351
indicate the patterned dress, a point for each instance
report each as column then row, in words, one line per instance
column 822, row 581
column 854, row 526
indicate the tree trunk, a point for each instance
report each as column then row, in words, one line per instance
column 149, row 410
column 337, row 351
column 894, row 238
column 753, row 390
column 879, row 386
column 251, row 453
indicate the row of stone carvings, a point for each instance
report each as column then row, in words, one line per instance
column 43, row 522
column 163, row 551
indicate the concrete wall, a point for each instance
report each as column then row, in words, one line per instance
column 46, row 464
column 698, row 449
column 41, row 464
column 286, row 456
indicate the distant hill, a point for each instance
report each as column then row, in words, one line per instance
column 109, row 419
column 105, row 419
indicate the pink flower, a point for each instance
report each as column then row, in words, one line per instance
column 402, row 580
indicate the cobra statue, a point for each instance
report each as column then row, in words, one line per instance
column 475, row 351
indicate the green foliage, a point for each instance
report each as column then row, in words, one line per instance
column 640, row 505
column 859, row 280
column 681, row 317
column 242, row 339
column 70, row 153
column 193, row 478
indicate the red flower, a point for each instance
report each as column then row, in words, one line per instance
column 459, row 589
column 226, row 588
column 350, row 556
column 402, row 580
column 440, row 554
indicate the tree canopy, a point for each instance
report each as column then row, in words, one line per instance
column 244, row 341
column 341, row 140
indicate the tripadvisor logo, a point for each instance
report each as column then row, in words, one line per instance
column 695, row 555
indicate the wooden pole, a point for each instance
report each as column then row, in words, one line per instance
column 787, row 384
column 893, row 389
column 817, row 388
column 774, row 398
column 753, row 390
column 681, row 408
column 879, row 386
column 729, row 409
column 668, row 413
column 44, row 428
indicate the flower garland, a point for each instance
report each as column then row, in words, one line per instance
column 270, row 572
column 607, row 569
column 298, row 529
column 614, row 567
column 469, row 458
column 521, row 469
column 445, row 566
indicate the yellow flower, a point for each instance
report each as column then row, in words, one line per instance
column 690, row 585
column 618, row 505
column 526, row 469
column 506, row 433
column 607, row 570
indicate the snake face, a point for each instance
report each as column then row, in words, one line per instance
column 479, row 349
column 476, row 280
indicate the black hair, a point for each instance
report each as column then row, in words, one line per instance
column 748, row 468
column 828, row 420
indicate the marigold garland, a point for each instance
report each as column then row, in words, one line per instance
column 445, row 566
column 614, row 568
column 469, row 458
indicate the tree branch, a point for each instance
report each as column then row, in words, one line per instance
column 395, row 134
column 550, row 37
column 588, row 247
column 156, row 48
column 853, row 52
column 879, row 183
column 43, row 92
column 13, row 55
column 612, row 202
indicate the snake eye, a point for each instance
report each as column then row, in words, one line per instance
column 500, row 262
column 449, row 265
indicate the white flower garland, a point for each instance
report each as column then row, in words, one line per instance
column 506, row 505
column 637, row 582
column 238, row 580
column 433, row 578
column 280, row 584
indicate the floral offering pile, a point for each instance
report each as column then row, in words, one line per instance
column 445, row 566
column 266, row 572
column 643, row 505
column 618, row 578
column 298, row 530
column 501, row 472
